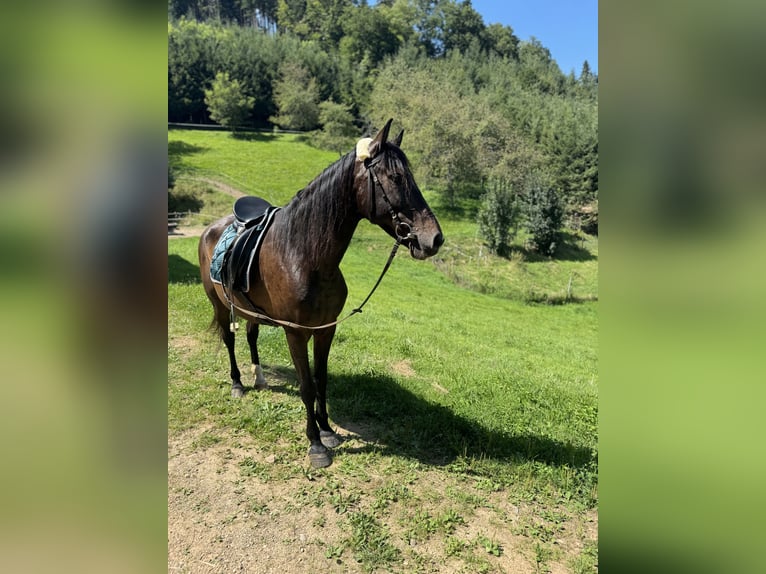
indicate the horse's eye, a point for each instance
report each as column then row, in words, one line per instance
column 398, row 178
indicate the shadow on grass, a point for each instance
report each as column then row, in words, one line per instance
column 252, row 136
column 181, row 271
column 183, row 200
column 178, row 149
column 394, row 420
column 391, row 419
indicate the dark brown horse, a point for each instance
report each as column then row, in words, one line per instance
column 298, row 279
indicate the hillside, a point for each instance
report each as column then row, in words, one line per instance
column 275, row 167
column 469, row 419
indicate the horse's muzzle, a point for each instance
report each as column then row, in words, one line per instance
column 422, row 247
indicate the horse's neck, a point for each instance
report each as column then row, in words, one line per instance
column 320, row 223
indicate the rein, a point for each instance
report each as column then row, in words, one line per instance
column 402, row 230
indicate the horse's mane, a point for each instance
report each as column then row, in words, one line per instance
column 312, row 220
column 314, row 215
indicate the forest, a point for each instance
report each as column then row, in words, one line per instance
column 491, row 121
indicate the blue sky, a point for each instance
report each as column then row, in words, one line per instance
column 568, row 28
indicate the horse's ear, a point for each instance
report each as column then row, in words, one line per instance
column 397, row 141
column 380, row 138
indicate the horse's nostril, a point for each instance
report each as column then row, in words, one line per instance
column 438, row 240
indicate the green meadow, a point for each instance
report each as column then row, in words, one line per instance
column 466, row 393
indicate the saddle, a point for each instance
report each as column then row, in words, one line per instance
column 252, row 217
column 249, row 210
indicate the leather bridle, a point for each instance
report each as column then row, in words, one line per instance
column 402, row 230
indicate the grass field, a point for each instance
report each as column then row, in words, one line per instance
column 468, row 408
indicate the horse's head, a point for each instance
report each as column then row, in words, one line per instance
column 391, row 198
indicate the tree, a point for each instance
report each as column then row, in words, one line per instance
column 429, row 23
column 401, row 16
column 338, row 129
column 296, row 96
column 323, row 19
column 462, row 24
column 290, row 15
column 588, row 83
column 544, row 216
column 539, row 70
column 227, row 103
column 570, row 140
column 190, row 68
column 368, row 35
column 502, row 41
column 497, row 217
column 586, row 76
column 258, row 13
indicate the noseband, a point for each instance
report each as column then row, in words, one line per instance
column 402, row 229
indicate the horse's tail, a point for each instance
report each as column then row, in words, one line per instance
column 220, row 321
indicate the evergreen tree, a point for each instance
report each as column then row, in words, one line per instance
column 588, row 82
column 191, row 46
column 539, row 70
column 497, row 217
column 586, row 76
column 544, row 216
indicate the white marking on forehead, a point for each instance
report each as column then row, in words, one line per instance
column 363, row 149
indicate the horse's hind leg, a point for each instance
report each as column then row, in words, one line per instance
column 259, row 381
column 222, row 320
column 221, row 313
column 237, row 390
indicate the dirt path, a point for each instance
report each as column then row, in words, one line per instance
column 193, row 231
column 236, row 506
column 196, row 230
column 220, row 186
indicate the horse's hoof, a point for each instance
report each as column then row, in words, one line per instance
column 329, row 439
column 319, row 458
column 238, row 392
column 261, row 386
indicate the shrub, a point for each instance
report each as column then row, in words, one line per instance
column 497, row 216
column 544, row 216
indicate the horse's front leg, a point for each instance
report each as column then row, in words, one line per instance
column 298, row 342
column 322, row 341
